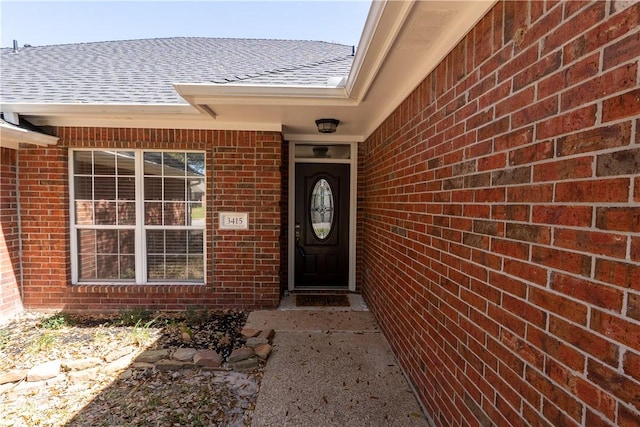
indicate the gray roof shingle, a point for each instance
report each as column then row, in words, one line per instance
column 143, row 71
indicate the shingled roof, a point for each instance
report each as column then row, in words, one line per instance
column 143, row 71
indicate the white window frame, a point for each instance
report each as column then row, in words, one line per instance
column 140, row 247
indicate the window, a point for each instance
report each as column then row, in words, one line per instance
column 138, row 216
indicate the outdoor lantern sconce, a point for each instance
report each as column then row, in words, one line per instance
column 327, row 125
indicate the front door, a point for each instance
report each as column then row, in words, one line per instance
column 322, row 225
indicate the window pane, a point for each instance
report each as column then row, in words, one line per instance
column 195, row 242
column 155, row 242
column 176, row 242
column 84, row 212
column 152, row 163
column 107, row 267
column 105, row 188
column 128, row 267
column 86, row 241
column 126, row 213
column 127, row 242
column 83, row 187
column 126, row 163
column 196, row 190
column 174, row 164
column 87, row 266
column 155, row 267
column 105, row 212
column 126, row 188
column 174, row 213
column 107, row 241
column 153, row 213
column 152, row 188
column 195, row 164
column 174, row 189
column 104, row 163
column 176, row 267
column 175, row 255
column 196, row 268
column 83, row 162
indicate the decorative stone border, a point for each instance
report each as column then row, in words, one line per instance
column 257, row 349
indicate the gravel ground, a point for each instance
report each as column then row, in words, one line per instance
column 140, row 398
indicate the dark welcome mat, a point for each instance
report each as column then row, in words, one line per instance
column 321, row 300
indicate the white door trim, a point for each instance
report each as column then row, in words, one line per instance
column 353, row 175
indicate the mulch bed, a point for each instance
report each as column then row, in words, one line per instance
column 186, row 398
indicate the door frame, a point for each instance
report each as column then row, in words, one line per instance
column 352, row 161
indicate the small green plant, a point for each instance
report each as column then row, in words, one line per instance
column 42, row 343
column 57, row 321
column 140, row 334
column 4, row 338
column 134, row 316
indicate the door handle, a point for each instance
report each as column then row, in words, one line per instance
column 299, row 248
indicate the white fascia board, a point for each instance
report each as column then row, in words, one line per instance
column 52, row 109
column 211, row 94
column 156, row 122
column 375, row 44
column 12, row 136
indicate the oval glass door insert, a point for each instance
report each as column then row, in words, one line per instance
column 322, row 207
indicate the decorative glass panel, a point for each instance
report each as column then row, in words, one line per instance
column 322, row 206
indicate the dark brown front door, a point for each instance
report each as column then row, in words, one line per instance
column 322, row 225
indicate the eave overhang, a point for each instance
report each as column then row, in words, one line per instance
column 402, row 42
column 12, row 136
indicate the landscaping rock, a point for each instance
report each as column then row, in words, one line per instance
column 44, row 371
column 263, row 351
column 13, row 376
column 250, row 333
column 240, row 354
column 117, row 354
column 172, row 365
column 256, row 341
column 85, row 375
column 119, row 364
column 184, row 354
column 81, row 364
column 125, row 375
column 142, row 365
column 152, row 356
column 208, row 358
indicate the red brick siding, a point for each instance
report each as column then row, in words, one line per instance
column 10, row 300
column 243, row 175
column 499, row 221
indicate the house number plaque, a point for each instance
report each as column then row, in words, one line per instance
column 234, row 221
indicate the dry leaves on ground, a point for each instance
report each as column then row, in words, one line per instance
column 145, row 397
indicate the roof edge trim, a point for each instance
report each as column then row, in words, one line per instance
column 11, row 136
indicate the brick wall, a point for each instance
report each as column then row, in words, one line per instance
column 501, row 221
column 10, row 301
column 243, row 175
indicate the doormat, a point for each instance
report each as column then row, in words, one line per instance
column 321, row 300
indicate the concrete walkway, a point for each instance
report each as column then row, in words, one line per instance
column 331, row 367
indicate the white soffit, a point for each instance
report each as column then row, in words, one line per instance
column 12, row 136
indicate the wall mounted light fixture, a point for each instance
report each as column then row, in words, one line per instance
column 327, row 125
